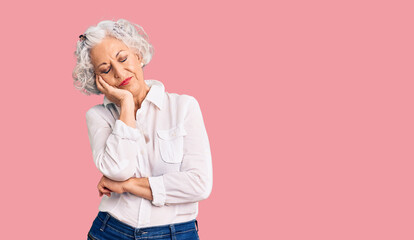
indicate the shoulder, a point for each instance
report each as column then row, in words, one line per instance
column 181, row 99
column 182, row 103
column 98, row 113
column 183, row 106
column 95, row 110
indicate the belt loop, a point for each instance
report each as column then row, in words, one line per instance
column 172, row 229
column 105, row 221
column 196, row 224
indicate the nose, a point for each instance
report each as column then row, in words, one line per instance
column 117, row 71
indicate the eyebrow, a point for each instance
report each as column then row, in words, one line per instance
column 115, row 57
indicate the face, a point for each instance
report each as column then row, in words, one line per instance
column 115, row 62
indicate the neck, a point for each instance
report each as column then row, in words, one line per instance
column 139, row 98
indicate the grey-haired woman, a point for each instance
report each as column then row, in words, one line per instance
column 150, row 145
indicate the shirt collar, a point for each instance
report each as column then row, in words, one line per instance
column 155, row 94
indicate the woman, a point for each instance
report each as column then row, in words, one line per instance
column 150, row 145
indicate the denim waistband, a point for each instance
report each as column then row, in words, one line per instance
column 108, row 220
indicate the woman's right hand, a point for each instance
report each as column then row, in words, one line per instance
column 115, row 95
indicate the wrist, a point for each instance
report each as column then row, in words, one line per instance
column 127, row 101
column 128, row 184
column 133, row 183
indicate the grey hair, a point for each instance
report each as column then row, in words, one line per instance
column 131, row 34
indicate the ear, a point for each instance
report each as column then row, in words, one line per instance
column 138, row 56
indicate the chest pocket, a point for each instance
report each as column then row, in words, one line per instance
column 171, row 144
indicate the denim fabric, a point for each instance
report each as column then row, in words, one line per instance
column 106, row 227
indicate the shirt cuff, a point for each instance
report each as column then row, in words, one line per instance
column 124, row 131
column 158, row 190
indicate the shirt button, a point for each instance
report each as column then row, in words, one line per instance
column 142, row 152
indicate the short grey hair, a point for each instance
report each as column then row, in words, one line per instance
column 131, row 34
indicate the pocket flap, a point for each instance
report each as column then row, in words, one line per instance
column 172, row 133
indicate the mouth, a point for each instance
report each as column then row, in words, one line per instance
column 125, row 82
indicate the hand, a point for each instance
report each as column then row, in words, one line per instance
column 114, row 94
column 106, row 186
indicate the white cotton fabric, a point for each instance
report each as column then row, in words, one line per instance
column 169, row 145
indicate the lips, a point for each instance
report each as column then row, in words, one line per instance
column 125, row 82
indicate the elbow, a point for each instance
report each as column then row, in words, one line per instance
column 116, row 172
column 204, row 190
column 205, row 194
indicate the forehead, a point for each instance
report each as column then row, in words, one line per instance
column 107, row 48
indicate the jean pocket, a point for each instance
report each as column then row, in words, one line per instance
column 171, row 144
column 90, row 237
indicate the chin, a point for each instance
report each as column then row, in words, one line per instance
column 132, row 89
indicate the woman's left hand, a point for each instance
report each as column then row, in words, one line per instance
column 106, row 186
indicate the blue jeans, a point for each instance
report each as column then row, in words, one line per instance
column 106, row 227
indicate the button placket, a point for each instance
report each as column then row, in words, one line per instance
column 141, row 128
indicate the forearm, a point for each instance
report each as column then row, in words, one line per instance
column 139, row 187
column 181, row 187
column 127, row 112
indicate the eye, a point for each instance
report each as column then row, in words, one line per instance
column 120, row 61
column 107, row 71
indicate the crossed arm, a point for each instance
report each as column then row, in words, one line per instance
column 137, row 186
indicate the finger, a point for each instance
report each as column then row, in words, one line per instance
column 99, row 84
column 105, row 86
column 105, row 190
column 103, row 83
column 107, row 194
column 102, row 189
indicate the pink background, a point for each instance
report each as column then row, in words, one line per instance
column 308, row 106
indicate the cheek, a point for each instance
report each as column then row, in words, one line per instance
column 110, row 80
column 133, row 66
column 135, row 70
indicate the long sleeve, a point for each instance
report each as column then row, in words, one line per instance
column 114, row 150
column 194, row 181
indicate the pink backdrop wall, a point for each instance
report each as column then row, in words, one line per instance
column 308, row 106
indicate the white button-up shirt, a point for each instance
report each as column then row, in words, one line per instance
column 169, row 146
